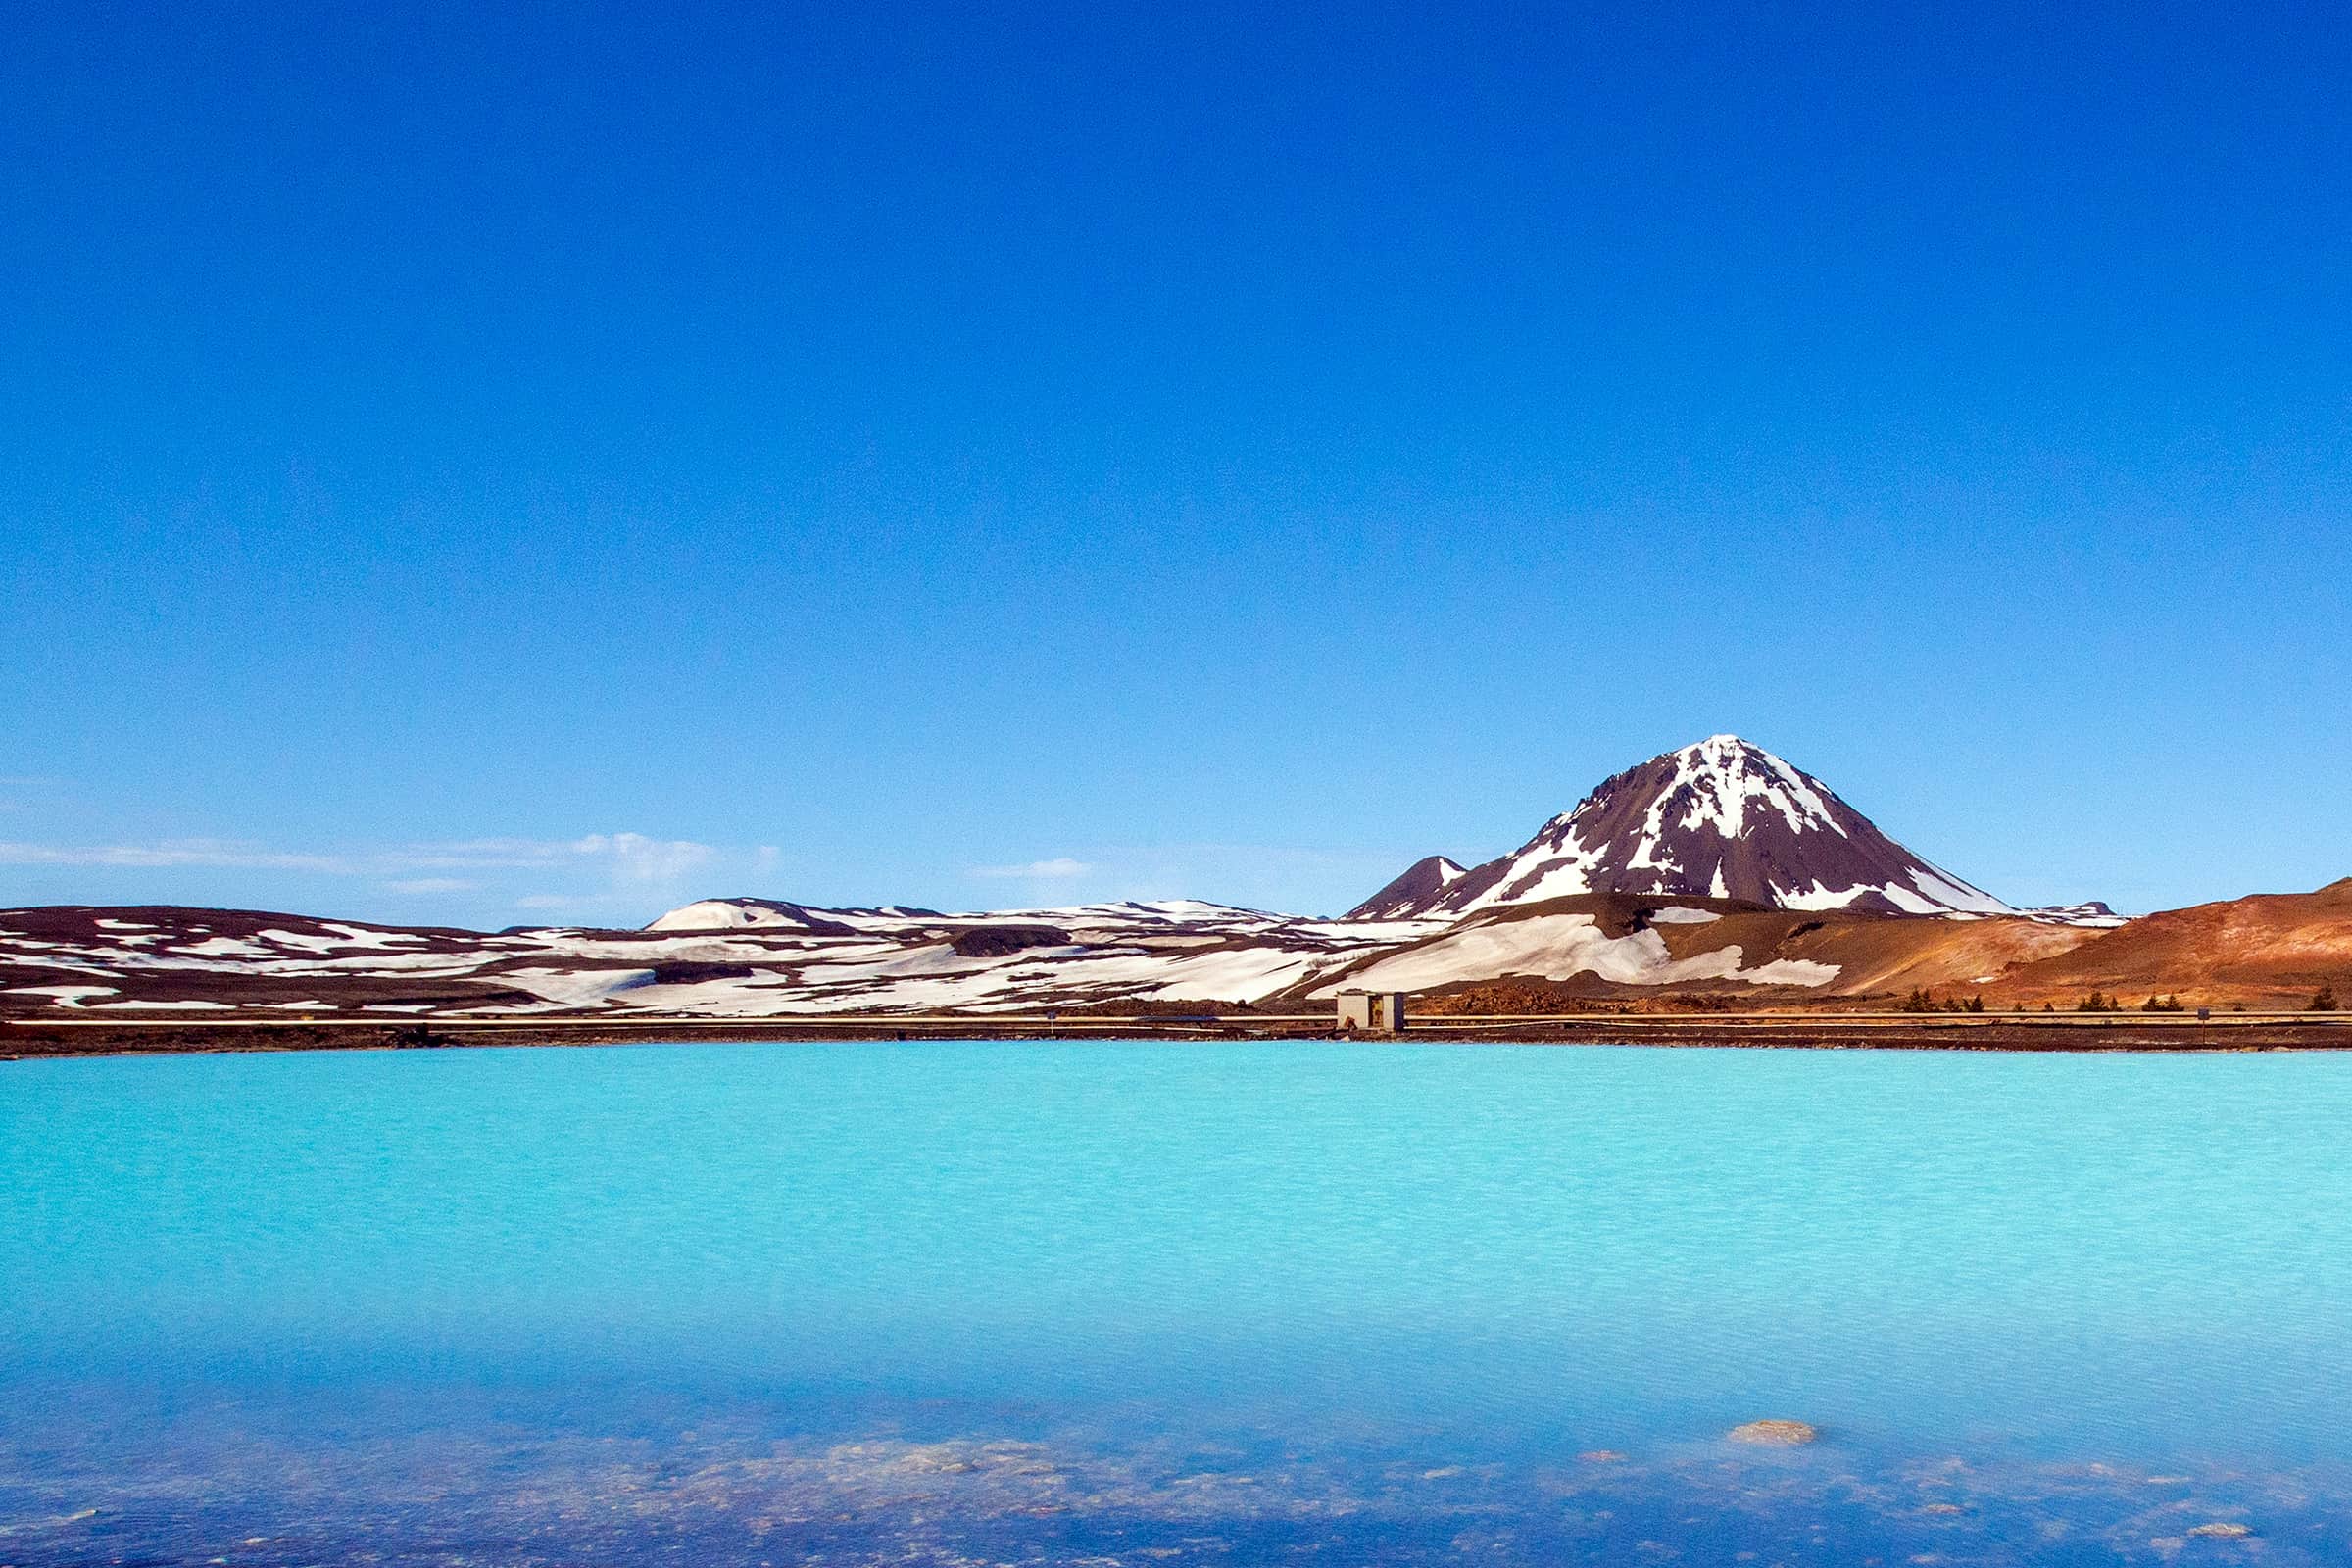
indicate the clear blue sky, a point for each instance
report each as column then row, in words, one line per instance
column 491, row 465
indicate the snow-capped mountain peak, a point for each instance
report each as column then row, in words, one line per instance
column 1719, row 818
column 1716, row 779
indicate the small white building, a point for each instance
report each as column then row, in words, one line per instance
column 1374, row 1011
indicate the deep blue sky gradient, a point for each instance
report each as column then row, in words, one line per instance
column 1234, row 451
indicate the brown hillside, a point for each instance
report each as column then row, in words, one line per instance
column 2270, row 950
column 1896, row 956
column 1877, row 956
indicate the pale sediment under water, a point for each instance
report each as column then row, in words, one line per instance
column 1147, row 1304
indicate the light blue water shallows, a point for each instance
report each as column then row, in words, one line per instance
column 2079, row 1254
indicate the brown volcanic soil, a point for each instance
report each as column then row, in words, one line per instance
column 1878, row 956
column 2272, row 950
column 1875, row 954
column 1889, row 956
column 1588, row 996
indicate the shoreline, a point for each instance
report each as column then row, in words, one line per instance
column 34, row 1040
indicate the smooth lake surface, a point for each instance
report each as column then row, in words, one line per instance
column 1139, row 1302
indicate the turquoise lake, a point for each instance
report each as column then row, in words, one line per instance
column 1105, row 1302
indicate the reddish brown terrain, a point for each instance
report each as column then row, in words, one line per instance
column 2267, row 951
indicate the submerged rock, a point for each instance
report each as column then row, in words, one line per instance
column 1775, row 1434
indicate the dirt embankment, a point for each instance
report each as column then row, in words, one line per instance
column 2064, row 1032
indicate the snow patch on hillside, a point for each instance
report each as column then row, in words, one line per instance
column 1561, row 947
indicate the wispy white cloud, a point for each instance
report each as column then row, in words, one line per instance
column 638, row 859
column 624, row 878
column 631, row 857
column 432, row 884
column 177, row 851
column 1260, row 876
column 1060, row 868
column 608, row 907
column 612, row 878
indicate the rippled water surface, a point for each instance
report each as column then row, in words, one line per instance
column 1146, row 1304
